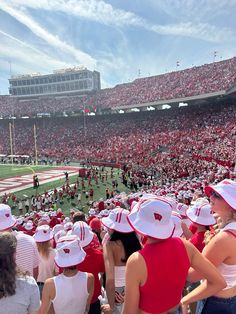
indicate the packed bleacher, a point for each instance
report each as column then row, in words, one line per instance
column 209, row 78
column 174, row 143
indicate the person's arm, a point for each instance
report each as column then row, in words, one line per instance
column 90, row 287
column 110, row 277
column 133, row 278
column 187, row 233
column 216, row 251
column 47, row 296
column 213, row 282
column 35, row 261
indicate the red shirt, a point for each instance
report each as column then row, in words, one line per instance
column 197, row 240
column 54, row 221
column 101, row 206
column 93, row 263
column 192, row 228
column 167, row 265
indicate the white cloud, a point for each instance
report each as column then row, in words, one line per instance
column 52, row 40
column 28, row 59
column 104, row 13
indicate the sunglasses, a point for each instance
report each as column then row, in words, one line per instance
column 215, row 195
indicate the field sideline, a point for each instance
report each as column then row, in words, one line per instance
column 11, row 171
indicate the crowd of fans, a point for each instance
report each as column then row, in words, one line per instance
column 194, row 81
column 121, row 236
column 214, row 77
column 121, row 255
column 173, row 143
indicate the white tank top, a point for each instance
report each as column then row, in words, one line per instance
column 226, row 270
column 71, row 294
column 119, row 276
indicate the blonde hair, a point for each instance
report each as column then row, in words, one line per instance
column 44, row 248
column 209, row 234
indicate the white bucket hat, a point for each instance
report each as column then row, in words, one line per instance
column 45, row 218
column 6, row 219
column 68, row 226
column 172, row 201
column 226, row 189
column 67, row 219
column 92, row 212
column 117, row 220
column 178, row 232
column 69, row 252
column 201, row 214
column 181, row 209
column 59, row 234
column 152, row 217
column 57, row 228
column 200, row 201
column 53, row 214
column 19, row 220
column 83, row 231
column 28, row 225
column 43, row 233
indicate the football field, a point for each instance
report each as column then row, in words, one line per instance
column 19, row 180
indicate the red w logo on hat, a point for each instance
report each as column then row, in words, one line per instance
column 67, row 251
column 226, row 182
column 157, row 216
column 7, row 215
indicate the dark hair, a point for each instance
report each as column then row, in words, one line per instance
column 7, row 264
column 70, row 267
column 130, row 243
column 79, row 216
column 98, row 235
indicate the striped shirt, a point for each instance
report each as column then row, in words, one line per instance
column 27, row 256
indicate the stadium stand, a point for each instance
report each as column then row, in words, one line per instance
column 176, row 142
column 165, row 156
column 209, row 78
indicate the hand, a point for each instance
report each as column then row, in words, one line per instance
column 119, row 297
column 184, row 306
column 106, row 309
column 184, row 309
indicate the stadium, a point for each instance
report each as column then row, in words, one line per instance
column 120, row 199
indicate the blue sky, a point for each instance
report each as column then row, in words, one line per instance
column 123, row 39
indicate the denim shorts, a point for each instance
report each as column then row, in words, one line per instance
column 215, row 305
column 119, row 306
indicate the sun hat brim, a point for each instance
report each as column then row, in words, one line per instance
column 85, row 242
column 152, row 230
column 66, row 261
column 120, row 227
column 226, row 196
column 10, row 223
column 199, row 220
column 39, row 238
column 88, row 240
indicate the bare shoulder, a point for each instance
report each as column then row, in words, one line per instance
column 135, row 259
column 90, row 277
column 221, row 238
column 49, row 281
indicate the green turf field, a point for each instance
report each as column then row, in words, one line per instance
column 99, row 190
column 15, row 170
